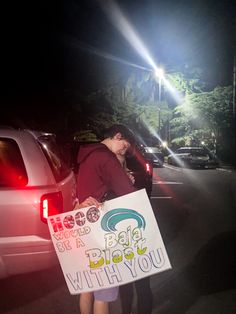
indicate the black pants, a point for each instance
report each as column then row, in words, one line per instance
column 144, row 296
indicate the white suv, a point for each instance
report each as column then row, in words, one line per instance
column 35, row 182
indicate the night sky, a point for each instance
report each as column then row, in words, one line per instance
column 50, row 48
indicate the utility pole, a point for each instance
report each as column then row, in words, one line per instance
column 159, row 104
column 234, row 90
column 159, row 74
column 234, row 107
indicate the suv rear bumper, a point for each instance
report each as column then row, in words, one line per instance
column 25, row 254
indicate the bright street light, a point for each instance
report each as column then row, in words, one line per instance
column 159, row 72
column 164, row 144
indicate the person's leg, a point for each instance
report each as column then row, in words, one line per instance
column 126, row 296
column 102, row 299
column 144, row 296
column 86, row 303
column 100, row 307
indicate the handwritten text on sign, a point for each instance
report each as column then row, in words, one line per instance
column 109, row 246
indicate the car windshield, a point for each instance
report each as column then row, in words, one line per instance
column 198, row 152
column 152, row 150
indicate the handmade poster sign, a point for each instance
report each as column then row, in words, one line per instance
column 109, row 246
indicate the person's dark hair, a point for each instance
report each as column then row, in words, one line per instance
column 125, row 132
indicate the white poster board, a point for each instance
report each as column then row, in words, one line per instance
column 109, row 246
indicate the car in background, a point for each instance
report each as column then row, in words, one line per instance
column 35, row 183
column 195, row 157
column 213, row 161
column 142, row 170
column 139, row 167
column 154, row 155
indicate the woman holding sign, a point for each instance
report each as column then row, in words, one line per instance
column 142, row 286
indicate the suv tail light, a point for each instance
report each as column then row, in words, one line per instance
column 51, row 204
column 148, row 168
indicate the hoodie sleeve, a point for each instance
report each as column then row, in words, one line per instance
column 116, row 178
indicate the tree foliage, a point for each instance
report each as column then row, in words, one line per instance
column 132, row 103
column 187, row 81
column 205, row 116
column 202, row 115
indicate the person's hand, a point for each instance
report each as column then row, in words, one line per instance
column 131, row 177
column 89, row 201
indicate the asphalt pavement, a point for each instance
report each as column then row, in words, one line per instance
column 205, row 283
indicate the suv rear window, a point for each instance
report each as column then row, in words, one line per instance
column 12, row 168
column 54, row 156
column 133, row 164
column 135, row 161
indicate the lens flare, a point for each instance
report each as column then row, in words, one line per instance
column 118, row 19
column 106, row 55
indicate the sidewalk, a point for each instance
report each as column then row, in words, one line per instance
column 228, row 166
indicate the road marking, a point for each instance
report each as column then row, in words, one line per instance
column 181, row 169
column 163, row 197
column 222, row 169
column 173, row 168
column 166, row 182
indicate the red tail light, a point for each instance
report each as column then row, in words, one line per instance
column 51, row 204
column 148, row 168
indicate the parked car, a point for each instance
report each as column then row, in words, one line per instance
column 213, row 161
column 139, row 166
column 193, row 157
column 154, row 155
column 35, row 182
column 141, row 169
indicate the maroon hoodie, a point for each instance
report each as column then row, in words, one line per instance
column 100, row 173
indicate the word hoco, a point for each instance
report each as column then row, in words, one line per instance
column 79, row 218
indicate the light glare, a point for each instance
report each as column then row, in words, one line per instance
column 118, row 19
column 159, row 72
